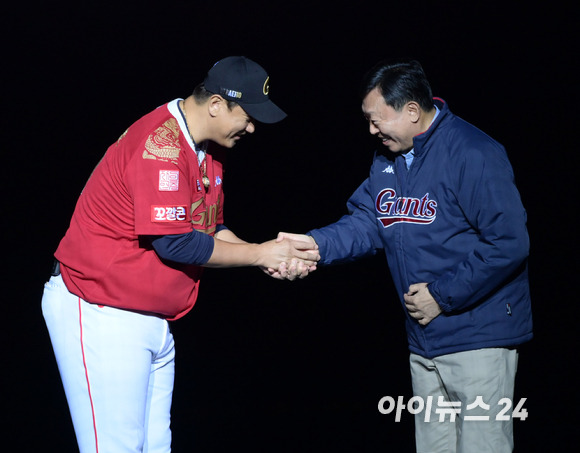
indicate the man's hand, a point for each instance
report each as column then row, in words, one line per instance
column 288, row 258
column 296, row 267
column 298, row 237
column 420, row 304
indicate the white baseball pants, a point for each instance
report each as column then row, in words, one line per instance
column 117, row 368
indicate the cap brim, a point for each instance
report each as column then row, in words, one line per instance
column 264, row 112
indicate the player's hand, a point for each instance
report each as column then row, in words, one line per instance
column 273, row 253
column 420, row 304
column 295, row 269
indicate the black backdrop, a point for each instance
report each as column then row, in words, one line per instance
column 276, row 366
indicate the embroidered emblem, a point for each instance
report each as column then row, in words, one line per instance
column 394, row 209
column 163, row 144
column 389, row 169
column 168, row 180
column 218, row 180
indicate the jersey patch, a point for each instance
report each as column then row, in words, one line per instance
column 168, row 214
column 168, row 180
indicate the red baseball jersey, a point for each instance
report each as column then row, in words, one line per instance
column 148, row 183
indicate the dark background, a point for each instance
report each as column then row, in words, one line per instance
column 263, row 365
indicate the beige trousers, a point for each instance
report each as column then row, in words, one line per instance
column 468, row 401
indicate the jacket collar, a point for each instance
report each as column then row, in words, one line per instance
column 420, row 140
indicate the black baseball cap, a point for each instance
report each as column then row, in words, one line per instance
column 245, row 82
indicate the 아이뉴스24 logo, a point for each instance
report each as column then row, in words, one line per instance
column 478, row 410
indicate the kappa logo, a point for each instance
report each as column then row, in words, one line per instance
column 389, row 169
column 394, row 209
column 168, row 180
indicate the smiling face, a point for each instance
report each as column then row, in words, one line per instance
column 396, row 129
column 233, row 124
column 228, row 125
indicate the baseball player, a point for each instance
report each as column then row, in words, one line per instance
column 149, row 218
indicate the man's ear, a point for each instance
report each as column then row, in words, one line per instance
column 414, row 111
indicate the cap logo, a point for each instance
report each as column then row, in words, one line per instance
column 232, row 93
column 266, row 88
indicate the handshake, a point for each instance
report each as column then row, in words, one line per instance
column 290, row 256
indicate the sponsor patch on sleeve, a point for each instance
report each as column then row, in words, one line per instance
column 168, row 213
column 168, row 180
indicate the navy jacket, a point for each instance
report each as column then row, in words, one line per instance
column 454, row 220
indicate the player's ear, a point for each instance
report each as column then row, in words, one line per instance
column 215, row 105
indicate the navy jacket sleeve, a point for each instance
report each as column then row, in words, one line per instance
column 487, row 194
column 353, row 236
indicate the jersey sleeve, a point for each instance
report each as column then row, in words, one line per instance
column 159, row 180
